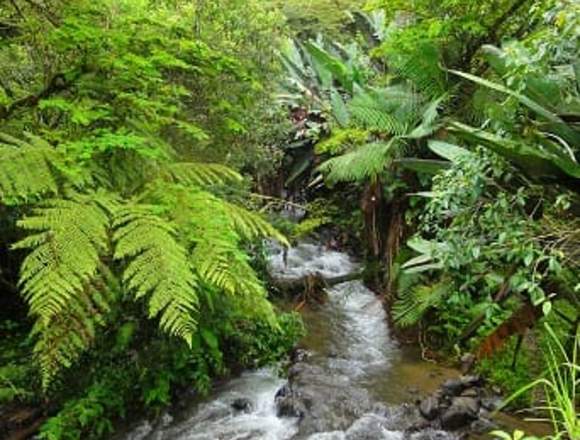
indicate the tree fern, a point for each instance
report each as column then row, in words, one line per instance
column 421, row 66
column 415, row 299
column 361, row 163
column 200, row 174
column 217, row 231
column 26, row 169
column 158, row 268
column 61, row 278
column 70, row 236
column 250, row 225
column 61, row 339
column 388, row 111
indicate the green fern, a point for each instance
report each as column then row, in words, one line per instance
column 70, row 237
column 388, row 111
column 414, row 299
column 250, row 225
column 200, row 174
column 362, row 163
column 33, row 169
column 157, row 267
column 421, row 66
column 26, row 169
column 61, row 339
column 61, row 278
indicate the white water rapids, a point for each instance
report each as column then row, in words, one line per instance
column 352, row 351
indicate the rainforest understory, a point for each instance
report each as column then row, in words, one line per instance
column 152, row 153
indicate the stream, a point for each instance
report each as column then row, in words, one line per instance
column 348, row 384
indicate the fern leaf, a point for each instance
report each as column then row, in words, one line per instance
column 414, row 300
column 217, row 230
column 391, row 110
column 158, row 267
column 71, row 236
column 250, row 225
column 61, row 276
column 361, row 163
column 421, row 66
column 64, row 337
column 25, row 170
column 201, row 174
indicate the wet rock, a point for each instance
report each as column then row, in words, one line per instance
column 470, row 392
column 482, row 426
column 299, row 355
column 491, row 403
column 429, row 408
column 242, row 404
column 472, row 381
column 461, row 413
column 452, row 387
column 467, row 362
column 290, row 406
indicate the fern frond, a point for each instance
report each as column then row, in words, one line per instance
column 217, row 228
column 25, row 169
column 61, row 278
column 64, row 337
column 250, row 225
column 391, row 110
column 370, row 115
column 415, row 299
column 361, row 163
column 421, row 66
column 70, row 236
column 158, row 267
column 201, row 174
column 220, row 262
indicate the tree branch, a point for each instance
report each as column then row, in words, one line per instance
column 57, row 84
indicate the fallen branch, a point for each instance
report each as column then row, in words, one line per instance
column 300, row 284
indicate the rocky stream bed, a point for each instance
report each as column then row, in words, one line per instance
column 349, row 381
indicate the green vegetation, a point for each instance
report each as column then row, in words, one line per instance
column 124, row 128
column 457, row 125
column 142, row 144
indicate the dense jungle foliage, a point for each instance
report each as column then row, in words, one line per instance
column 147, row 148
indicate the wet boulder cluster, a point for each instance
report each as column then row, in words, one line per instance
column 459, row 404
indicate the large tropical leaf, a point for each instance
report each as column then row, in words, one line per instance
column 533, row 160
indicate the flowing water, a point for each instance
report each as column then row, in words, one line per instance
column 350, row 385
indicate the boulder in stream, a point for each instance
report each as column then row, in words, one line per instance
column 461, row 413
column 242, row 404
column 429, row 408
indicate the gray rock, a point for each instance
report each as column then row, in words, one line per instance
column 472, row 381
column 429, row 408
column 482, row 426
column 290, row 406
column 452, row 387
column 470, row 392
column 491, row 403
column 467, row 362
column 242, row 404
column 461, row 413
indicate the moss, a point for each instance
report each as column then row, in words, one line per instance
column 500, row 371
